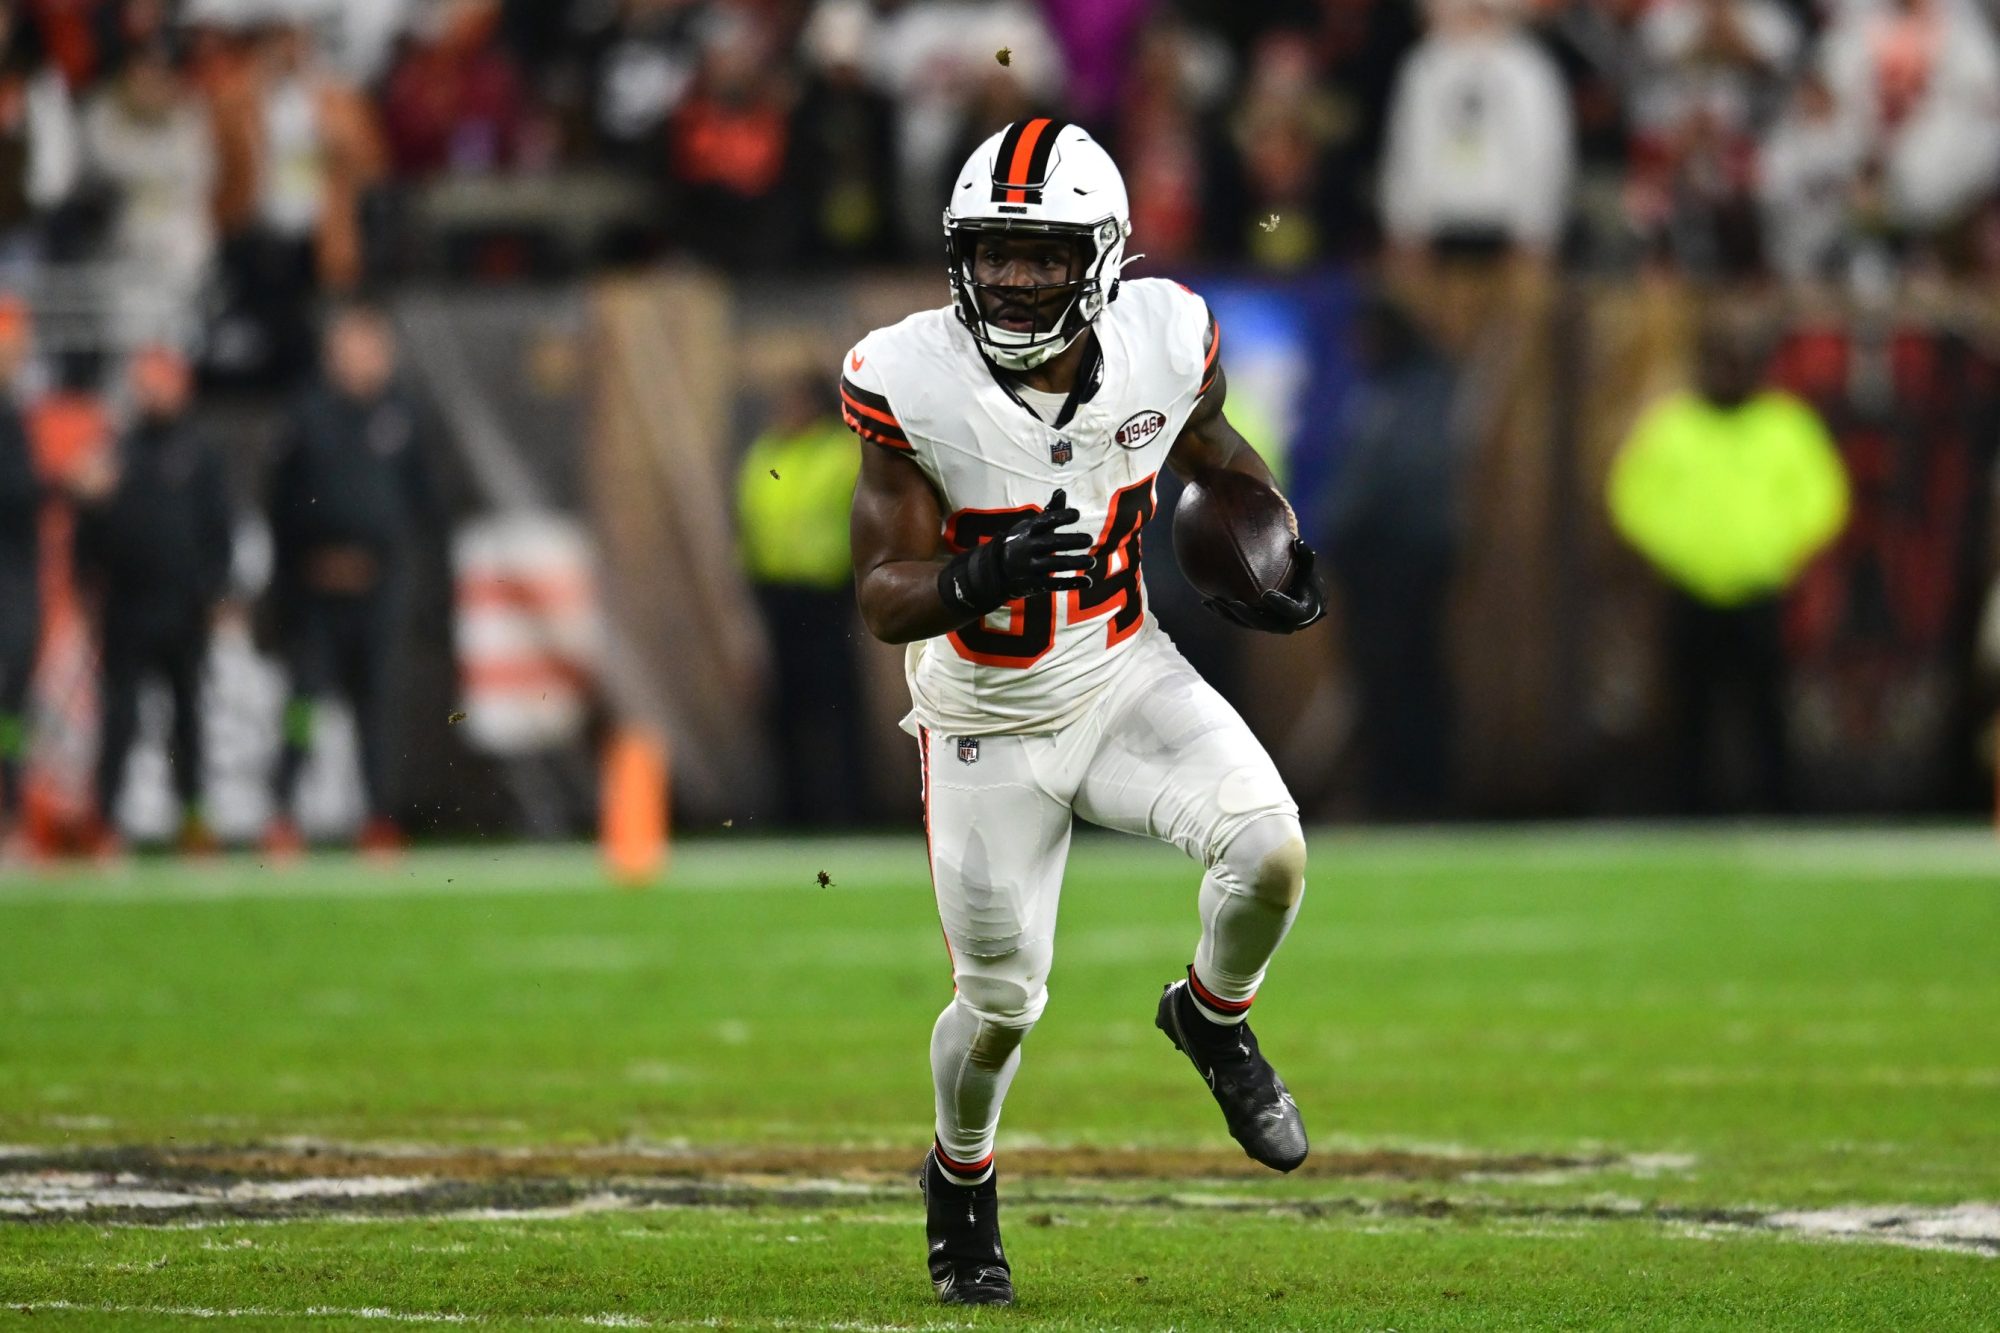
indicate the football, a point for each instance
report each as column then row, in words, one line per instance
column 1233, row 537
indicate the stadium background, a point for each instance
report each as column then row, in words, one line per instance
column 612, row 233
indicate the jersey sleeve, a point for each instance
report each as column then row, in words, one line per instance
column 864, row 405
column 1193, row 337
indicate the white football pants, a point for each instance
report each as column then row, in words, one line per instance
column 1163, row 755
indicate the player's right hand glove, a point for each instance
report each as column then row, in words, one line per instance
column 1031, row 557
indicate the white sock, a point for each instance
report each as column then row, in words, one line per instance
column 1249, row 898
column 972, row 1062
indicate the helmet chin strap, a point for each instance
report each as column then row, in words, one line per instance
column 998, row 347
column 1027, row 358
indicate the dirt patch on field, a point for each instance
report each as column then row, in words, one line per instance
column 861, row 1165
column 299, row 1179
column 207, row 1186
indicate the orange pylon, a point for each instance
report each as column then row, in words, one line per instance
column 633, row 825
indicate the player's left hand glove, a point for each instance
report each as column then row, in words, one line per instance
column 1280, row 612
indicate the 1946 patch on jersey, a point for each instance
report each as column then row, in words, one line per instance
column 1140, row 427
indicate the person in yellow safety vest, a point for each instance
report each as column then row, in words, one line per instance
column 1728, row 490
column 793, row 492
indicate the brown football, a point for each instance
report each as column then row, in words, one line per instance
column 1233, row 537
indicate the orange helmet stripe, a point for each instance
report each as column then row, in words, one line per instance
column 1024, row 153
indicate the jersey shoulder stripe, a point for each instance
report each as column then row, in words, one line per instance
column 869, row 415
column 885, row 381
column 1214, row 350
column 901, row 385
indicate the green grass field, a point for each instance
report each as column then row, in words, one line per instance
column 1555, row 1079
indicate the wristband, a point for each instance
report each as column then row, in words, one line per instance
column 970, row 584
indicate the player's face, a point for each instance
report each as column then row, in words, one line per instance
column 1024, row 283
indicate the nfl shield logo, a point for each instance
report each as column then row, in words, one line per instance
column 1060, row 452
column 968, row 749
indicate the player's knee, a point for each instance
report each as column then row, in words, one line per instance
column 1281, row 875
column 1002, row 1002
column 1268, row 861
column 993, row 1045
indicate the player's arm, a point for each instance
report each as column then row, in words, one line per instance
column 1208, row 444
column 895, row 532
column 911, row 588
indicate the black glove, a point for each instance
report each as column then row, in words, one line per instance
column 1277, row 612
column 1030, row 557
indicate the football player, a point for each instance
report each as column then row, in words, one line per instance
column 1011, row 441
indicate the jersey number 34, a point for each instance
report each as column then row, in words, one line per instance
column 1031, row 621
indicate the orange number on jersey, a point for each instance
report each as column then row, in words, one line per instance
column 1114, row 570
column 1031, row 621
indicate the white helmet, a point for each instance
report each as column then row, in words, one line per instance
column 1038, row 177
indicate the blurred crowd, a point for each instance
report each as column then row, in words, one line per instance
column 119, row 538
column 187, row 187
column 234, row 156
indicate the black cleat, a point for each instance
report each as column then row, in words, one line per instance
column 962, row 1223
column 1262, row 1115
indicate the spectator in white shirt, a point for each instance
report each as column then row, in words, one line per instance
column 148, row 142
column 1725, row 58
column 1920, row 82
column 38, row 148
column 1712, row 74
column 1481, row 149
column 1809, row 166
column 935, row 57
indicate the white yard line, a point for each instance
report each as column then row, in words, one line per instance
column 248, row 1312
column 43, row 1193
column 1966, row 1228
column 140, row 1197
column 373, row 1312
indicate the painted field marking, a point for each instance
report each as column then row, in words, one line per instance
column 1966, row 1228
column 132, row 1198
column 44, row 1192
column 373, row 1312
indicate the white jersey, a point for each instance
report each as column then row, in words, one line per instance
column 921, row 387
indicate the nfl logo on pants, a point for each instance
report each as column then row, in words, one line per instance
column 968, row 749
